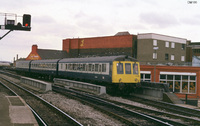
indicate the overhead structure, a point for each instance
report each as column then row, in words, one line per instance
column 12, row 24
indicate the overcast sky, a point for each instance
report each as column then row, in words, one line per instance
column 55, row 20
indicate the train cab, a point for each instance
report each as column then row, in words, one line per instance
column 126, row 72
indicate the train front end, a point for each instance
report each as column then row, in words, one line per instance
column 125, row 75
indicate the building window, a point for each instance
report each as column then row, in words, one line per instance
column 182, row 58
column 154, row 55
column 172, row 57
column 145, row 75
column 166, row 56
column 167, row 44
column 180, row 83
column 154, row 42
column 172, row 45
column 183, row 47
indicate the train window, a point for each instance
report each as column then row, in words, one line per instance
column 81, row 67
column 66, row 68
column 87, row 67
column 93, row 67
column 70, row 67
column 103, row 67
column 53, row 66
column 135, row 68
column 78, row 66
column 120, row 68
column 90, row 67
column 96, row 67
column 74, row 66
column 84, row 66
column 128, row 68
column 99, row 67
column 61, row 66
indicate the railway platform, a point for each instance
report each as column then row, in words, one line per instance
column 15, row 112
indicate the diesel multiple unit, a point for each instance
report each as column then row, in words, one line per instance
column 115, row 70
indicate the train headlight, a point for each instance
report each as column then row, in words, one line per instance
column 136, row 79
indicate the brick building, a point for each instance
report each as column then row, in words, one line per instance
column 147, row 48
column 193, row 49
column 38, row 54
column 160, row 49
column 122, row 43
column 182, row 79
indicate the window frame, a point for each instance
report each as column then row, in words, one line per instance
column 167, row 44
column 154, row 55
column 155, row 42
column 118, row 69
column 172, row 45
column 126, row 65
column 172, row 57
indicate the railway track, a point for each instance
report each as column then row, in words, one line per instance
column 49, row 113
column 130, row 117
column 168, row 107
column 127, row 115
column 9, row 92
column 182, row 120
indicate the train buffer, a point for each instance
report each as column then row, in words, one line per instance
column 41, row 85
column 171, row 98
column 77, row 85
column 159, row 91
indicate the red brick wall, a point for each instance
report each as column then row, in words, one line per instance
column 98, row 42
column 34, row 55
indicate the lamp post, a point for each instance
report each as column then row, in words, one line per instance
column 155, row 49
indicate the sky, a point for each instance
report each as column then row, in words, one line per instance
column 55, row 20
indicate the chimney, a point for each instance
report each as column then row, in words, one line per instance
column 34, row 48
column 17, row 57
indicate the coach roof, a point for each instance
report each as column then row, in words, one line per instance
column 98, row 59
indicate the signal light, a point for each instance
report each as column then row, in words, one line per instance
column 26, row 20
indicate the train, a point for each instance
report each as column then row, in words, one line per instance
column 4, row 64
column 120, row 72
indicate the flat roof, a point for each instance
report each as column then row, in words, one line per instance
column 161, row 37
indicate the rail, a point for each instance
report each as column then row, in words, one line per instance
column 125, row 115
column 55, row 109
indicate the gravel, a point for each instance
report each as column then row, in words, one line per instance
column 86, row 115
